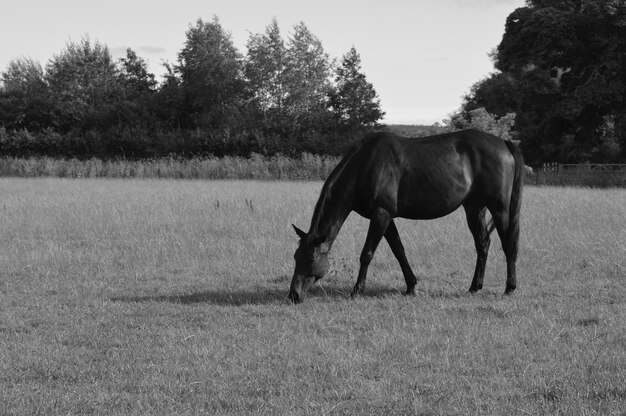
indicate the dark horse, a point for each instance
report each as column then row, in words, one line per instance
column 385, row 176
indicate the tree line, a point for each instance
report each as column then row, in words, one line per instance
column 282, row 96
column 559, row 87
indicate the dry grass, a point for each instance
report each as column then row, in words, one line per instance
column 169, row 297
column 305, row 167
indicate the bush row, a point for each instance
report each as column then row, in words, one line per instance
column 141, row 143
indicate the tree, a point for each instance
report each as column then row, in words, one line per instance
column 211, row 70
column 265, row 69
column 23, row 75
column 83, row 84
column 134, row 77
column 566, row 65
column 136, row 107
column 169, row 99
column 495, row 93
column 307, row 74
column 354, row 100
column 289, row 84
column 138, row 89
column 24, row 99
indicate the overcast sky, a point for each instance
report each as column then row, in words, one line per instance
column 421, row 56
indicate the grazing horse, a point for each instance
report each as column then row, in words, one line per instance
column 385, row 176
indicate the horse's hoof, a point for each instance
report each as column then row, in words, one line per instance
column 473, row 289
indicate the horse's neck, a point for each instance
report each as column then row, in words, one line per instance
column 331, row 210
column 335, row 201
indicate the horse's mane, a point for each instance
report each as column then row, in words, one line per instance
column 321, row 206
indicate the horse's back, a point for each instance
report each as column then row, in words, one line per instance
column 433, row 145
column 431, row 176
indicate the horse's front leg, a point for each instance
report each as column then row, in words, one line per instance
column 393, row 238
column 378, row 226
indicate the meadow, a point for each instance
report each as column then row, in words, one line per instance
column 168, row 297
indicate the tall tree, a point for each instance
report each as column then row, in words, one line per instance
column 565, row 63
column 265, row 69
column 495, row 93
column 134, row 76
column 211, row 74
column 83, row 84
column 169, row 99
column 136, row 106
column 307, row 73
column 23, row 75
column 24, row 99
column 354, row 100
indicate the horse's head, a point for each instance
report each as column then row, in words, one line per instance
column 311, row 264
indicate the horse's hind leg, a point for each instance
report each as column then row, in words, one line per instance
column 475, row 214
column 393, row 238
column 509, row 236
column 378, row 227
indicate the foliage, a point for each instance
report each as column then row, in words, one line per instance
column 24, row 98
column 562, row 70
column 266, row 70
column 210, row 68
column 134, row 77
column 480, row 119
column 354, row 100
column 307, row 73
column 289, row 83
column 83, row 86
column 214, row 100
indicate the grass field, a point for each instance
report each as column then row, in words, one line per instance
column 162, row 297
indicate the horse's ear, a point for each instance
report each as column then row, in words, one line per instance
column 300, row 233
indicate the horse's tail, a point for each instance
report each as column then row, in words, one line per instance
column 518, row 182
column 515, row 205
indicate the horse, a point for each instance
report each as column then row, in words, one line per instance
column 385, row 176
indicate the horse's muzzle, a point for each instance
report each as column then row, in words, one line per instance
column 299, row 287
column 294, row 296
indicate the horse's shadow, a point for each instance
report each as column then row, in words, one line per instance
column 258, row 296
column 262, row 296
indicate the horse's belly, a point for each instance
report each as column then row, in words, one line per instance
column 428, row 202
column 428, row 210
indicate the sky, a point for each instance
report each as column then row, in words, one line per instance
column 422, row 56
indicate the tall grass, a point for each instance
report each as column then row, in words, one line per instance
column 157, row 297
column 306, row 167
